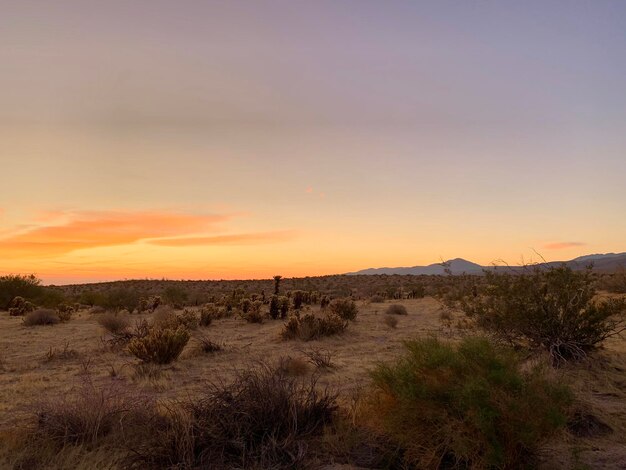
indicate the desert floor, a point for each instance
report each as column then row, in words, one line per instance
column 38, row 363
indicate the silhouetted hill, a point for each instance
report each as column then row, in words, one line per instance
column 608, row 262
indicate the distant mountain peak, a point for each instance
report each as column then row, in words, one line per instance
column 606, row 262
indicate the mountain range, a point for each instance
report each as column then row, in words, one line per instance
column 607, row 262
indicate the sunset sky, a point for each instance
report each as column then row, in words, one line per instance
column 239, row 139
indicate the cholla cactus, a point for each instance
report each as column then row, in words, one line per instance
column 20, row 306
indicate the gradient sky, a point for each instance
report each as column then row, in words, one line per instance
column 237, row 139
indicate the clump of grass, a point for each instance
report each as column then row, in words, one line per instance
column 396, row 309
column 160, row 345
column 264, row 419
column 391, row 321
column 90, row 414
column 41, row 316
column 464, row 406
column 61, row 353
column 207, row 345
column 309, row 327
column 344, row 308
column 322, row 359
column 114, row 323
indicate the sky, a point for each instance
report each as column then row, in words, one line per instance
column 236, row 139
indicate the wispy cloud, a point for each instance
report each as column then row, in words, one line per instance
column 563, row 245
column 236, row 239
column 92, row 229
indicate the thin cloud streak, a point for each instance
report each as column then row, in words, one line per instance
column 563, row 245
column 235, row 239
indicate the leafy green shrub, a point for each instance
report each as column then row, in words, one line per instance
column 160, row 345
column 120, row 299
column 396, row 309
column 344, row 308
column 464, row 406
column 551, row 309
column 16, row 285
column 42, row 316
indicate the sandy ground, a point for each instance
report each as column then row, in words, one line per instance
column 27, row 374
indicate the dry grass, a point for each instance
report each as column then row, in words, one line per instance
column 114, row 323
column 42, row 316
column 26, row 378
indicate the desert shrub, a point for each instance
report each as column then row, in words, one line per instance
column 254, row 314
column 614, row 282
column 63, row 353
column 97, row 310
column 207, row 345
column 65, row 311
column 160, row 345
column 264, row 419
column 16, row 285
column 175, row 296
column 207, row 313
column 324, row 302
column 189, row 319
column 119, row 299
column 551, row 309
column 391, row 321
column 149, row 304
column 19, row 306
column 89, row 414
column 274, row 307
column 320, row 358
column 396, row 309
column 114, row 323
column 245, row 305
column 41, row 316
column 377, row 299
column 50, row 297
column 464, row 406
column 417, row 292
column 309, row 327
column 344, row 308
column 298, row 298
column 284, row 306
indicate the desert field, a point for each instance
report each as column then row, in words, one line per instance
column 46, row 362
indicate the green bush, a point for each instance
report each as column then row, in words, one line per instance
column 160, row 345
column 553, row 309
column 464, row 406
column 344, row 308
column 16, row 285
column 120, row 299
